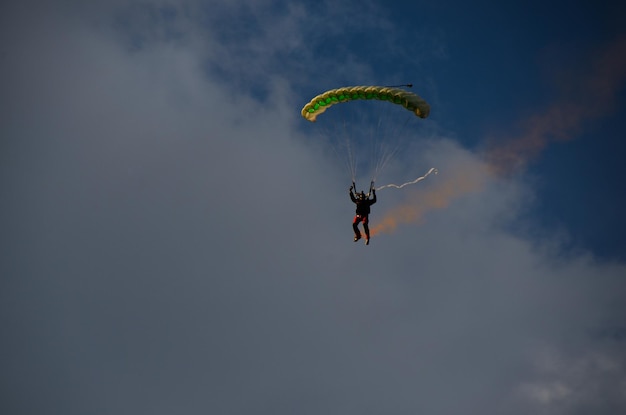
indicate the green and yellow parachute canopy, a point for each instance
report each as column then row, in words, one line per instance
column 323, row 101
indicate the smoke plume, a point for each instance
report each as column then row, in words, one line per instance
column 591, row 95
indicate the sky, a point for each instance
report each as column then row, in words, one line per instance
column 176, row 238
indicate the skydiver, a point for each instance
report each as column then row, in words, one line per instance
column 363, row 204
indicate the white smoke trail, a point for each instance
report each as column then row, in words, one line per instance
column 400, row 186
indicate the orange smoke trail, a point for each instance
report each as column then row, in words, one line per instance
column 462, row 181
column 593, row 96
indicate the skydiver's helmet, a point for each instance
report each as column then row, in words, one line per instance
column 361, row 195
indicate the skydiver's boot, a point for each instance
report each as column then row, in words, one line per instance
column 357, row 237
column 367, row 240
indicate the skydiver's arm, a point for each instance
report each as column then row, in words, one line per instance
column 374, row 198
column 351, row 194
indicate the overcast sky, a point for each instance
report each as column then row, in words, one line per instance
column 175, row 237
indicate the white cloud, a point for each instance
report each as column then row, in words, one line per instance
column 546, row 393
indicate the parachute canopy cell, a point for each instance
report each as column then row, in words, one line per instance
column 408, row 100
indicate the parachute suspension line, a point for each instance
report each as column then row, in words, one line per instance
column 377, row 141
column 341, row 146
column 347, row 155
column 351, row 161
column 389, row 152
column 383, row 138
column 419, row 179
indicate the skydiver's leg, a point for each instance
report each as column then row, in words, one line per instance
column 366, row 227
column 355, row 228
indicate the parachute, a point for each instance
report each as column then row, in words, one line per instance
column 408, row 100
column 372, row 126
